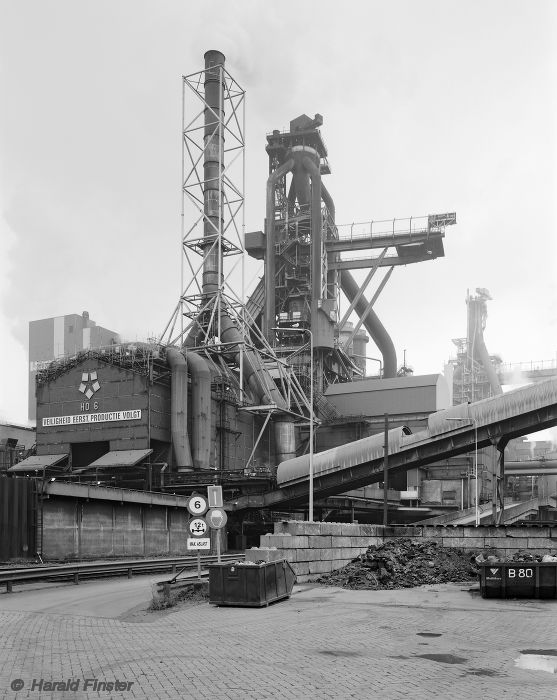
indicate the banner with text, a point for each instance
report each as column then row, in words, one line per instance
column 99, row 417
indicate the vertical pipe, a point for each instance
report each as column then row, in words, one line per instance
column 201, row 410
column 178, row 408
column 476, row 470
column 212, row 169
column 311, row 428
column 269, row 310
column 316, row 236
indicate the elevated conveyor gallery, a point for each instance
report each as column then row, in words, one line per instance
column 450, row 432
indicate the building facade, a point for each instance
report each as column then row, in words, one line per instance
column 61, row 336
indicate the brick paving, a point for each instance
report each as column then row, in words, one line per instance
column 321, row 643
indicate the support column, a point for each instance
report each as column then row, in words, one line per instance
column 498, row 484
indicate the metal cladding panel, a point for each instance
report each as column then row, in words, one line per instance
column 121, row 458
column 524, row 400
column 401, row 395
column 17, row 534
column 83, row 405
column 38, row 462
column 160, row 412
column 338, row 458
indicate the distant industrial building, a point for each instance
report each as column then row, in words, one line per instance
column 52, row 338
column 15, row 441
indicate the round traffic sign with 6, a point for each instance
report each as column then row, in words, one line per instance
column 197, row 505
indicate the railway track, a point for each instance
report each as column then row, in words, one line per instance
column 76, row 572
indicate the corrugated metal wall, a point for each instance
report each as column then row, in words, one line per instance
column 17, row 511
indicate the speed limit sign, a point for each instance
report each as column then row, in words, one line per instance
column 197, row 505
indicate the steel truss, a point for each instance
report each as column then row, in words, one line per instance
column 205, row 236
column 226, row 239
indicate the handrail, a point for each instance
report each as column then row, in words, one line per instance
column 37, row 573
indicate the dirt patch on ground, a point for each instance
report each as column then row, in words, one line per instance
column 166, row 603
column 404, row 563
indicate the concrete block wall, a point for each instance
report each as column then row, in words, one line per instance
column 317, row 548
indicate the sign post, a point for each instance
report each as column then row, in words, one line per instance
column 197, row 506
column 217, row 518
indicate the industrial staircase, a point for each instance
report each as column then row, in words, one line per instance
column 513, row 511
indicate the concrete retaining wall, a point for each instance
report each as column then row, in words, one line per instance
column 317, row 548
column 77, row 529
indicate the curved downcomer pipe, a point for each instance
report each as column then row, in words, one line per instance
column 179, row 408
column 371, row 322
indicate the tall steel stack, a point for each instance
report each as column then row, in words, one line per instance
column 210, row 314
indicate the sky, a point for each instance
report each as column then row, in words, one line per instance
column 429, row 106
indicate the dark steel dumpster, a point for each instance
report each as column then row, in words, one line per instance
column 250, row 585
column 518, row 579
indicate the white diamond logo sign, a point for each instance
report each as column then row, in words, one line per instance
column 89, row 384
column 494, row 571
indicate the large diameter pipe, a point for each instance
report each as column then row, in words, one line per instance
column 372, row 323
column 178, row 408
column 201, row 410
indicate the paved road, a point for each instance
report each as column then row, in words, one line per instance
column 430, row 642
column 105, row 598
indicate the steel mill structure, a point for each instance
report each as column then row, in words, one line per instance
column 236, row 386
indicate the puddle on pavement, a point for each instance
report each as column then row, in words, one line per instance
column 443, row 658
column 428, row 634
column 537, row 660
column 339, row 652
column 482, row 672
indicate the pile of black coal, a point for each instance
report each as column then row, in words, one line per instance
column 404, row 563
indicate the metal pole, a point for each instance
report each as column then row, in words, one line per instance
column 218, row 546
column 199, row 564
column 310, row 410
column 476, row 471
column 386, row 472
column 310, row 427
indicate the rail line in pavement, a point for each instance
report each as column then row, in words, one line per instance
column 110, row 568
